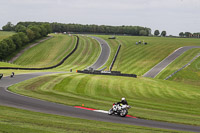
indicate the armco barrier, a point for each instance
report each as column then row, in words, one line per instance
column 113, row 73
column 114, row 59
column 1, row 75
column 45, row 68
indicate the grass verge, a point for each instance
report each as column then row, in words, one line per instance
column 151, row 98
column 14, row 120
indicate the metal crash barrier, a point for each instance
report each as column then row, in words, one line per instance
column 1, row 75
column 113, row 73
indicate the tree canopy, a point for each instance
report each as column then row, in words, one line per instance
column 156, row 32
column 24, row 35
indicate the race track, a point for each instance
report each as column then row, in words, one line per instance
column 104, row 55
column 15, row 100
column 163, row 64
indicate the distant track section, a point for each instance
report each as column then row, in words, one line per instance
column 45, row 68
column 164, row 63
column 105, row 53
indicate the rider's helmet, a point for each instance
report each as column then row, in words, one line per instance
column 123, row 99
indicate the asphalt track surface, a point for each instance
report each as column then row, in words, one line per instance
column 164, row 63
column 11, row 99
column 105, row 53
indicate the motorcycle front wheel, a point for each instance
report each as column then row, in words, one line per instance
column 110, row 112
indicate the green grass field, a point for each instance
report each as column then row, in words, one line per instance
column 86, row 54
column 5, row 34
column 47, row 53
column 178, row 63
column 138, row 59
column 151, row 99
column 175, row 100
column 21, row 121
column 189, row 75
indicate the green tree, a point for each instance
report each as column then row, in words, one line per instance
column 11, row 45
column 24, row 38
column 30, row 34
column 43, row 31
column 20, row 28
column 181, row 34
column 143, row 33
column 36, row 29
column 3, row 50
column 163, row 33
column 156, row 32
column 188, row 34
column 17, row 40
column 8, row 27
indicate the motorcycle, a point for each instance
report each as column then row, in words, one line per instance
column 119, row 109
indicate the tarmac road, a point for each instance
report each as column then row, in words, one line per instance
column 163, row 64
column 105, row 53
column 8, row 98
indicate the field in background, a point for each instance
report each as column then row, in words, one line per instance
column 138, row 59
column 179, row 63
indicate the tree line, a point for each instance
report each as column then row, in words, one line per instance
column 24, row 35
column 189, row 35
column 95, row 29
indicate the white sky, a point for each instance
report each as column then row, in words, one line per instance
column 173, row 16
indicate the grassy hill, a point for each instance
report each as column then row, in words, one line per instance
column 138, row 59
column 86, row 54
column 151, row 98
column 189, row 75
column 47, row 53
column 176, row 100
column 5, row 34
column 178, row 63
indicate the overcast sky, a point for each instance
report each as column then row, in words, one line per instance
column 173, row 16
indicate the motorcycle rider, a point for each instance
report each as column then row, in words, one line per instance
column 123, row 101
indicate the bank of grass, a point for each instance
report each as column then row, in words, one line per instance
column 9, row 57
column 5, row 34
column 47, row 53
column 86, row 54
column 190, row 74
column 138, row 59
column 14, row 120
column 150, row 98
column 179, row 63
